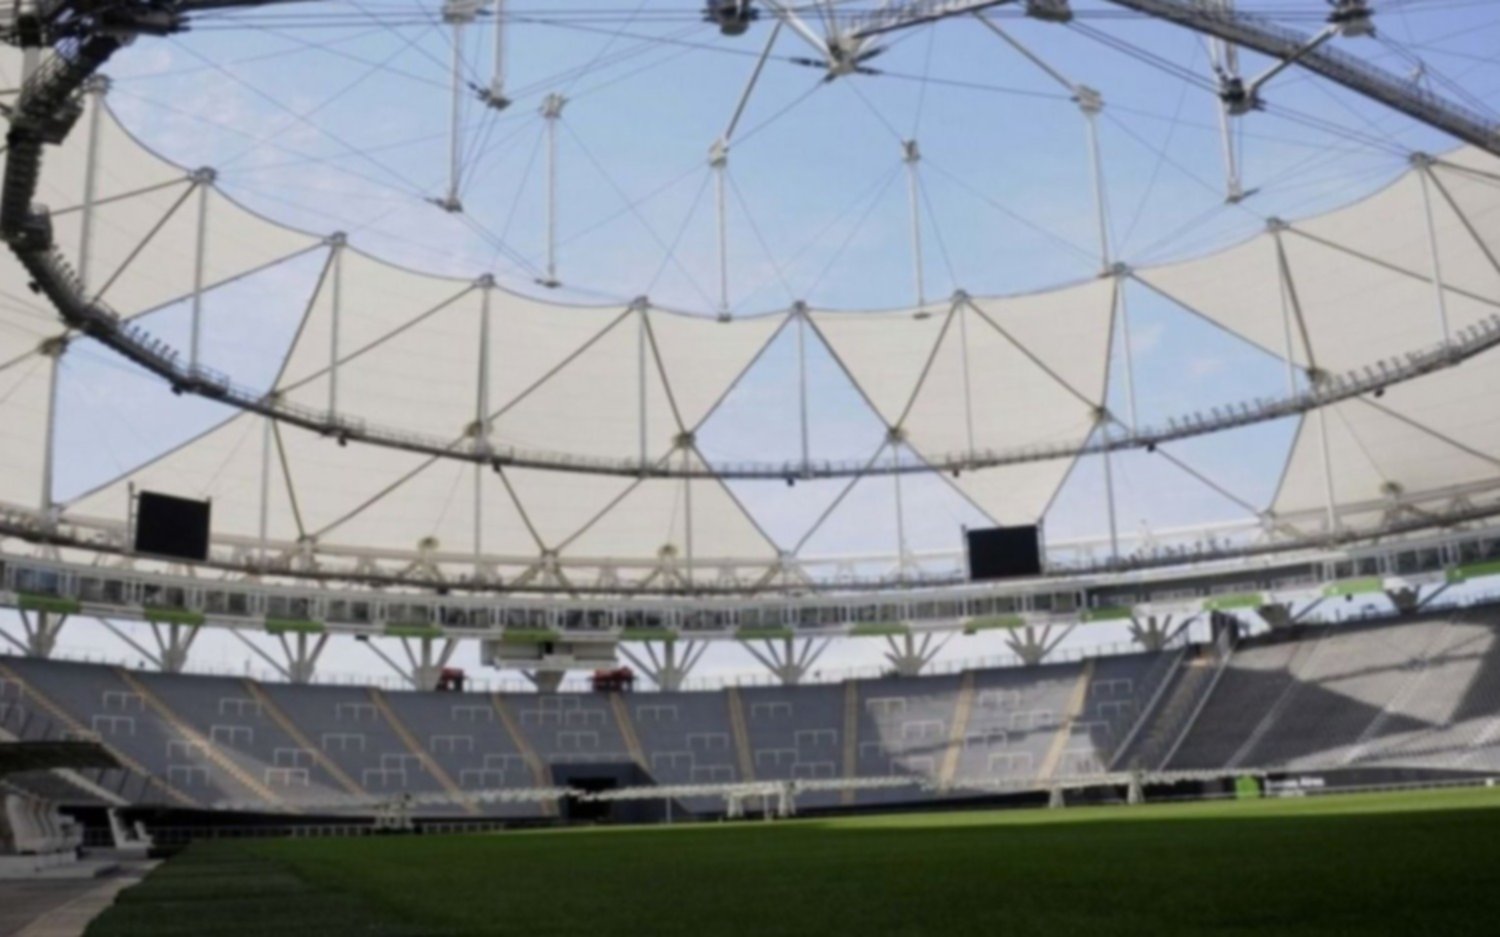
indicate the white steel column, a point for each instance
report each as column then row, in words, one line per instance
column 455, row 115
column 482, row 417
column 486, row 286
column 1122, row 309
column 963, row 339
column 494, row 96
column 479, row 470
column 1225, row 58
column 718, row 161
column 1330, row 505
column 640, row 367
column 203, row 181
column 96, row 87
column 687, row 515
column 265, row 488
column 53, row 349
column 552, row 107
column 1090, row 103
column 900, row 509
column 1423, row 164
column 911, row 156
column 1286, row 310
column 335, row 287
column 1109, row 494
column 800, row 311
column 458, row 14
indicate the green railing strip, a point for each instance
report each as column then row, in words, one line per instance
column 293, row 625
column 173, row 616
column 413, row 631
column 763, row 633
column 529, row 636
column 992, row 622
column 1113, row 613
column 1363, row 585
column 1220, row 603
column 1474, row 571
column 33, row 602
column 878, row 628
column 648, row 634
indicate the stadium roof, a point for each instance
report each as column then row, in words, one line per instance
column 604, row 402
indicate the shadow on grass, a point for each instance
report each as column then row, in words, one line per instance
column 1258, row 871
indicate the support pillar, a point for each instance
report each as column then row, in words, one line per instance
column 545, row 681
column 203, row 181
column 909, row 654
column 1406, row 599
column 299, row 661
column 1151, row 632
column 96, row 87
column 482, row 423
column 337, row 242
column 671, row 666
column 896, row 438
column 174, row 641
column 1277, row 615
column 428, row 662
column 426, row 658
column 1330, row 499
column 800, row 311
column 52, row 349
column 1032, row 644
column 41, row 629
column 265, row 491
column 1423, row 164
column 789, row 660
column 302, row 655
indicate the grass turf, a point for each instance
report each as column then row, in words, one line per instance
column 1406, row 864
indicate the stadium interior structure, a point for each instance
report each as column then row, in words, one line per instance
column 435, row 460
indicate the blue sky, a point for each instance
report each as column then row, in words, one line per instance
column 330, row 120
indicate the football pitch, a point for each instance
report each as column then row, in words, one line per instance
column 1406, row 863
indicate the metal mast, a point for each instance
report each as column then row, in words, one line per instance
column 457, row 14
column 551, row 110
column 911, row 156
column 494, row 95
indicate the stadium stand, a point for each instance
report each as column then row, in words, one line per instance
column 1422, row 693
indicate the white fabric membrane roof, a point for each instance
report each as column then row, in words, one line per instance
column 405, row 350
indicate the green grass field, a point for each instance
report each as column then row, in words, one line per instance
column 1407, row 864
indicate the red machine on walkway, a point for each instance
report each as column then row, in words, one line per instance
column 618, row 680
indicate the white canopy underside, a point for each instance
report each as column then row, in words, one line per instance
column 404, row 350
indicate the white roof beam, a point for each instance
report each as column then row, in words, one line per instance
column 787, row 14
column 1263, row 35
